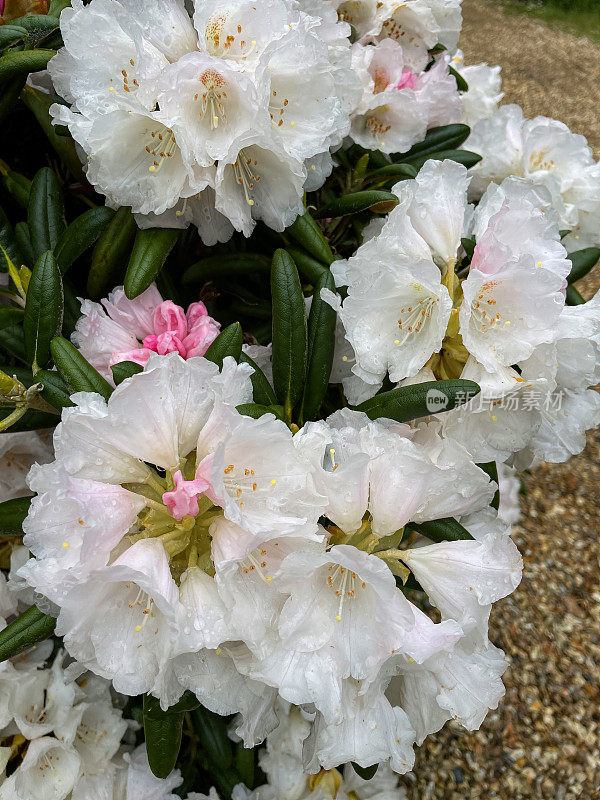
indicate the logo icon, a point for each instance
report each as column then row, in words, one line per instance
column 435, row 401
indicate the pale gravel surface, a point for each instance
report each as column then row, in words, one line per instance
column 543, row 742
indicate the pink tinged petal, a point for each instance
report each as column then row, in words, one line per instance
column 198, row 340
column 407, row 81
column 170, row 318
column 194, row 313
column 204, row 471
column 182, row 501
column 151, row 342
column 139, row 356
column 169, row 342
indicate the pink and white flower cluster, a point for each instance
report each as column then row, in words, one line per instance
column 118, row 329
column 184, row 546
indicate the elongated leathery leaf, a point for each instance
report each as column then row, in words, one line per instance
column 43, row 310
column 289, row 331
column 582, row 261
column 444, row 137
column 163, row 731
column 419, row 400
column 227, row 343
column 111, row 253
column 308, row 234
column 321, row 344
column 150, row 251
column 78, row 374
column 378, row 201
column 262, row 390
column 80, row 235
column 12, row 514
column 45, row 212
column 31, row 627
column 442, row 530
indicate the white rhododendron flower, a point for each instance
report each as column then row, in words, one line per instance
column 208, row 109
column 484, row 92
column 546, row 153
column 18, row 451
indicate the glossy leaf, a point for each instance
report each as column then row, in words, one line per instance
column 77, row 373
column 111, row 253
column 12, row 514
column 55, row 390
column 80, row 235
column 321, row 345
column 582, row 262
column 262, row 390
column 289, row 331
column 373, row 199
column 22, row 62
column 442, row 530
column 150, row 251
column 444, row 137
column 225, row 266
column 310, row 269
column 43, row 310
column 307, row 233
column 30, row 628
column 227, row 343
column 257, row 410
column 45, row 212
column 124, row 370
column 464, row 157
column 419, row 400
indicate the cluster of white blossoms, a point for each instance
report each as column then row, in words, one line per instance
column 184, row 546
column 226, row 116
column 545, row 153
column 417, row 308
column 216, row 118
column 64, row 738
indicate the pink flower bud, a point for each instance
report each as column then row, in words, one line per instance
column 169, row 342
column 194, row 312
column 201, row 336
column 170, row 318
column 151, row 342
column 182, row 501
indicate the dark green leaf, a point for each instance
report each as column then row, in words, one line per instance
column 10, row 316
column 310, row 269
column 72, row 309
column 582, row 261
column 321, row 344
column 23, row 238
column 308, row 234
column 55, row 390
column 77, row 373
column 491, row 469
column 12, row 514
column 464, row 157
column 227, row 343
column 225, row 266
column 45, row 212
column 419, row 400
column 111, row 253
column 81, row 234
column 262, row 390
column 10, row 92
column 289, row 331
column 18, row 186
column 26, row 630
column 19, row 62
column 399, row 171
column 257, row 410
column 444, row 137
column 373, row 199
column 442, row 530
column 162, row 732
column 214, row 741
column 12, row 340
column 37, row 27
column 573, row 297
column 31, row 421
column 150, row 251
column 468, row 246
column 366, row 773
column 463, row 86
column 9, row 243
column 11, row 33
column 245, row 763
column 43, row 310
column 124, row 370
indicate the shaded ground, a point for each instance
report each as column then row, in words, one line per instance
column 544, row 739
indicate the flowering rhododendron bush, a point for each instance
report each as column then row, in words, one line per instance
column 288, row 301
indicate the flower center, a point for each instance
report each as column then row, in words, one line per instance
column 246, row 174
column 211, row 100
column 160, row 147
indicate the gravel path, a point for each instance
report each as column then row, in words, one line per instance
column 544, row 739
